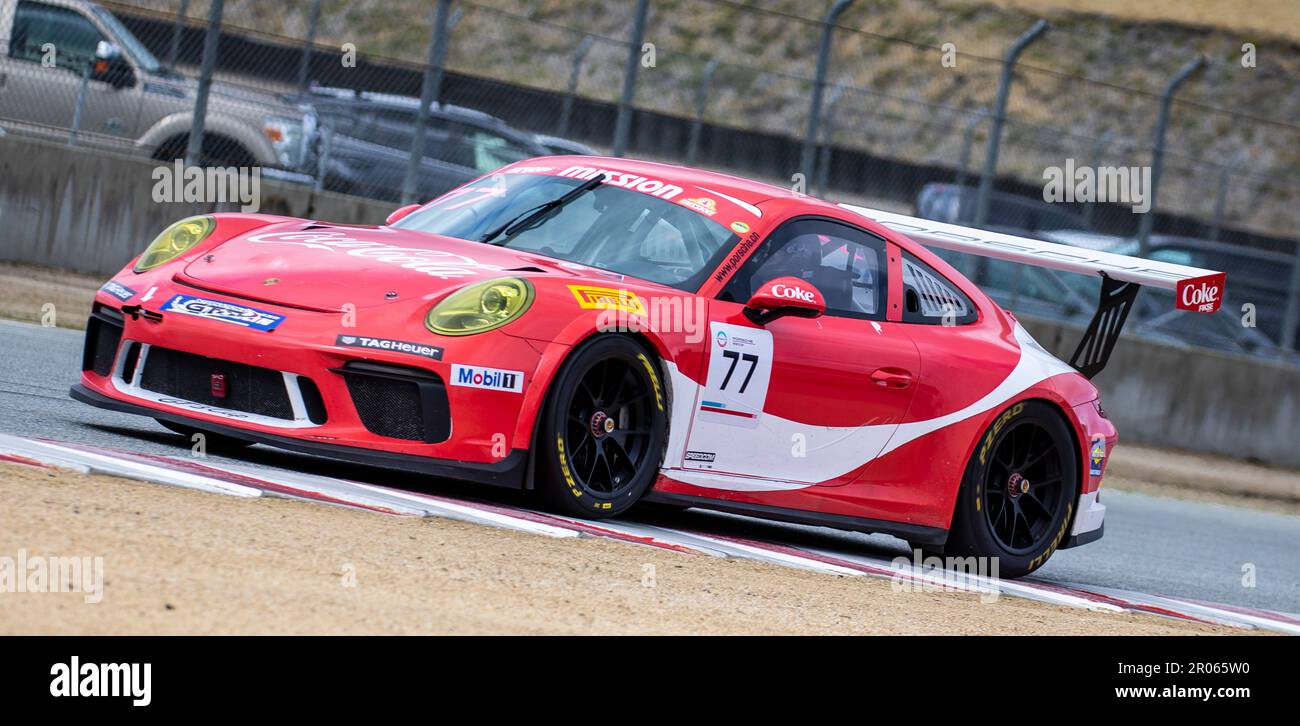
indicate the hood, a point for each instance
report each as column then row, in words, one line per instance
column 323, row 267
column 224, row 96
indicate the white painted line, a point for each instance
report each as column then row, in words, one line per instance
column 1202, row 611
column 116, row 466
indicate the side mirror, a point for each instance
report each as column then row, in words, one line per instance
column 785, row 296
column 111, row 67
column 401, row 212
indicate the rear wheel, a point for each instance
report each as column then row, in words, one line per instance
column 604, row 429
column 211, row 441
column 1018, row 495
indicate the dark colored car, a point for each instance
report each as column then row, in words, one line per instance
column 560, row 146
column 1010, row 213
column 369, row 140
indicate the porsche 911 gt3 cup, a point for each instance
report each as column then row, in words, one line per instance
column 605, row 331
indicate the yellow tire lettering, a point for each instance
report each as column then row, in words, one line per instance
column 654, row 380
column 564, row 467
column 997, row 426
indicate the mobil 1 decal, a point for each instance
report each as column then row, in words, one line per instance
column 740, row 367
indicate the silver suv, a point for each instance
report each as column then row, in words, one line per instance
column 46, row 46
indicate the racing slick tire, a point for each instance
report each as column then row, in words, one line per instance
column 1017, row 498
column 215, row 442
column 604, row 429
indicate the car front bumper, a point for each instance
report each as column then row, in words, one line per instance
column 478, row 433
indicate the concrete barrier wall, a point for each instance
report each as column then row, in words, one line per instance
column 1193, row 399
column 93, row 211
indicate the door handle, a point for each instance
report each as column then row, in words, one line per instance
column 891, row 377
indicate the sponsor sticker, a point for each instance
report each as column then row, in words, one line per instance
column 704, row 456
column 435, row 263
column 1097, row 455
column 118, row 290
column 492, row 379
column 1200, row 294
column 590, row 297
column 703, row 205
column 223, row 312
column 395, row 346
column 739, row 227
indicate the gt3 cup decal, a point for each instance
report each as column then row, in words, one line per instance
column 490, row 378
column 223, row 312
column 395, row 346
column 435, row 263
column 118, row 290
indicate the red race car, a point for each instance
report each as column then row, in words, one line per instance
column 606, row 331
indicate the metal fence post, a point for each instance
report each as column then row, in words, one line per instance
column 623, row 126
column 1221, row 199
column 429, row 94
column 828, row 138
column 1291, row 319
column 81, row 103
column 575, row 72
column 194, row 151
column 808, row 156
column 327, row 148
column 177, row 29
column 304, row 64
column 1098, row 147
column 968, row 140
column 701, row 102
column 1000, row 117
column 1158, row 150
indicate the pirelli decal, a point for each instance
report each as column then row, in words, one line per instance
column 590, row 297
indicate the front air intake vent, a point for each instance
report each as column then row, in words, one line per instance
column 399, row 402
column 103, row 336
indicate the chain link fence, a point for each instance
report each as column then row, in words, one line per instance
column 329, row 92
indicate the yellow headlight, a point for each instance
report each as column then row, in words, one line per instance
column 481, row 307
column 175, row 241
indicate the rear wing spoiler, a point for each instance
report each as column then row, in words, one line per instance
column 1195, row 289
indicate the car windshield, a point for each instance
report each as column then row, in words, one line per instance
column 132, row 44
column 619, row 230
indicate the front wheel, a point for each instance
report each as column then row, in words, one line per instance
column 603, row 430
column 1017, row 499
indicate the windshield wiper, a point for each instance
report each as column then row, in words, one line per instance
column 530, row 218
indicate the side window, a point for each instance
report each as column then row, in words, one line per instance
column 493, row 152
column 73, row 36
column 846, row 264
column 931, row 299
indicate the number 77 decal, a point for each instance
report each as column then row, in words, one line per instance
column 740, row 367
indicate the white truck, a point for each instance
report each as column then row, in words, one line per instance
column 127, row 97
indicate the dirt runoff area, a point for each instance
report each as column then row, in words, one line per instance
column 176, row 561
column 46, row 296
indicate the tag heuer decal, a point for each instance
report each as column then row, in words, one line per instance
column 395, row 346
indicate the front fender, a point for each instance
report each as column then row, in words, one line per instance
column 246, row 134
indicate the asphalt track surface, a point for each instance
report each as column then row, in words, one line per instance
column 1153, row 545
